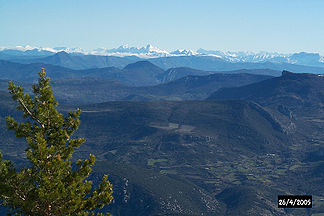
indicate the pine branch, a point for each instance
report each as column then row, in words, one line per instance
column 30, row 114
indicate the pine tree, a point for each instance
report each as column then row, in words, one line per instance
column 51, row 185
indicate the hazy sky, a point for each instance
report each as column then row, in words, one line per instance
column 230, row 25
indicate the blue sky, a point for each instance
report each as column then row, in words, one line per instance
column 230, row 25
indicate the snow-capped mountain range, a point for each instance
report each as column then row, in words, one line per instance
column 125, row 50
column 149, row 51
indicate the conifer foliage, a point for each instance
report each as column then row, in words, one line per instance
column 50, row 185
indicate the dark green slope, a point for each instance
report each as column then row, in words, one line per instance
column 206, row 118
column 219, row 147
column 201, row 143
column 215, row 146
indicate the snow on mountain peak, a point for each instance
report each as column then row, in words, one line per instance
column 246, row 56
column 70, row 50
column 125, row 50
column 28, row 47
column 149, row 51
column 44, row 49
column 151, row 48
column 183, row 52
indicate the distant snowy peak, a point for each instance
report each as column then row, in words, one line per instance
column 149, row 51
column 70, row 50
column 244, row 56
column 182, row 52
column 39, row 51
column 144, row 52
column 125, row 50
column 27, row 48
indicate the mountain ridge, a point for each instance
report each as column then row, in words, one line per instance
column 290, row 89
column 207, row 63
column 138, row 73
column 149, row 51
